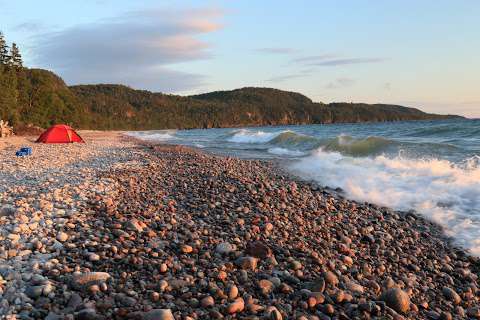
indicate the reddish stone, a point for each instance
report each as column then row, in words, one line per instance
column 259, row 250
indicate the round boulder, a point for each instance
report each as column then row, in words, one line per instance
column 396, row 299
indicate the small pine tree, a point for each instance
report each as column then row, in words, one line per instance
column 3, row 50
column 15, row 56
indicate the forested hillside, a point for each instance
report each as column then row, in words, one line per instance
column 41, row 98
column 120, row 107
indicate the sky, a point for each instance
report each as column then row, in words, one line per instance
column 423, row 54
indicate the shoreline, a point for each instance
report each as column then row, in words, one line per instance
column 168, row 227
column 303, row 124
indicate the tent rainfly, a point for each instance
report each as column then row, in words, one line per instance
column 59, row 133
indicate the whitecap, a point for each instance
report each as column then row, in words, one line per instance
column 248, row 136
column 153, row 135
column 445, row 193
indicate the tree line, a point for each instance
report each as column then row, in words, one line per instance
column 10, row 69
column 33, row 96
column 9, row 56
column 41, row 98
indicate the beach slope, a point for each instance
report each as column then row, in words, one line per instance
column 117, row 229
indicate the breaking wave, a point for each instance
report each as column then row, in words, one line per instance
column 444, row 192
column 290, row 139
column 358, row 147
column 153, row 136
column 296, row 142
column 247, row 136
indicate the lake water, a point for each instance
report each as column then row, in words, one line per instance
column 432, row 167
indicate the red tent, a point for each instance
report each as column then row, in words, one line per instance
column 60, row 133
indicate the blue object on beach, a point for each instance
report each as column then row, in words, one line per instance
column 27, row 150
column 24, row 151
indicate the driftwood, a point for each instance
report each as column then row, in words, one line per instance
column 5, row 129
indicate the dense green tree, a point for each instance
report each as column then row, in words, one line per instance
column 8, row 95
column 15, row 56
column 3, row 49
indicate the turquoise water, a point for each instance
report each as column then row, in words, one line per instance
column 432, row 167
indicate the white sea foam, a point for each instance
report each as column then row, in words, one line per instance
column 445, row 193
column 153, row 136
column 248, row 136
column 286, row 152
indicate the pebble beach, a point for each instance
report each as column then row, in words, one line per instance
column 121, row 229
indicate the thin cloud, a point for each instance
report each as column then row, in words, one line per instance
column 301, row 74
column 340, row 83
column 277, row 50
column 331, row 60
column 286, row 77
column 136, row 49
column 30, row 26
column 341, row 62
column 308, row 71
column 317, row 58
